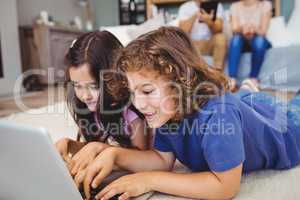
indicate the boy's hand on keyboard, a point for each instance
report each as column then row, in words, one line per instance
column 100, row 168
column 85, row 156
column 128, row 186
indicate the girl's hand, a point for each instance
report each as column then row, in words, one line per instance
column 85, row 156
column 249, row 31
column 62, row 146
column 100, row 168
column 128, row 186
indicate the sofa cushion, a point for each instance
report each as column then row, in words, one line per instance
column 280, row 69
column 277, row 34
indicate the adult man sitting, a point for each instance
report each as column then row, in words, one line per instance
column 205, row 31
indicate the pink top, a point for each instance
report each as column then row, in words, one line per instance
column 128, row 115
column 250, row 14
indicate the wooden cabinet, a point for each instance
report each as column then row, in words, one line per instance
column 44, row 47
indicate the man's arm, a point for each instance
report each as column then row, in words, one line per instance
column 186, row 25
column 217, row 26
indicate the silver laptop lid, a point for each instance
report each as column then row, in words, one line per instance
column 30, row 166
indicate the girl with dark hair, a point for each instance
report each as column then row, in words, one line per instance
column 218, row 135
column 102, row 119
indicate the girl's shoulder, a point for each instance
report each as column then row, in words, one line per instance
column 236, row 8
column 129, row 114
column 266, row 5
column 236, row 5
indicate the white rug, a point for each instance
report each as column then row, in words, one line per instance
column 262, row 185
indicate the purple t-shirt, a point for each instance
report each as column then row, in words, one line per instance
column 128, row 115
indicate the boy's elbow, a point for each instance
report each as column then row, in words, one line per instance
column 230, row 193
column 227, row 190
column 223, row 193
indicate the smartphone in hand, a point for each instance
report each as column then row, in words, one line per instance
column 209, row 6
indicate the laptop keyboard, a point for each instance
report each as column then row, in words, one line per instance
column 94, row 192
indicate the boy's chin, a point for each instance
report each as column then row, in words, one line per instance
column 155, row 124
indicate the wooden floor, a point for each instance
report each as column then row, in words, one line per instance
column 54, row 94
column 30, row 100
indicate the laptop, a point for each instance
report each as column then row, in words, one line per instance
column 32, row 169
column 30, row 166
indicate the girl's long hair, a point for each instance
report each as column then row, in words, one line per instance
column 169, row 52
column 98, row 50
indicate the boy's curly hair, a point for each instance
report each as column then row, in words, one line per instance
column 170, row 52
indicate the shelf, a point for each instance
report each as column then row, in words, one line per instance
column 132, row 17
column 159, row 2
column 150, row 3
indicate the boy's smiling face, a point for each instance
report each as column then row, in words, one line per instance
column 152, row 96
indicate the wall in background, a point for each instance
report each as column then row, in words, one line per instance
column 106, row 12
column 62, row 10
column 287, row 8
column 9, row 46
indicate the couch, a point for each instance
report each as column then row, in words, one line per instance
column 280, row 69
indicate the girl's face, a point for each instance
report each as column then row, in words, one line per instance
column 85, row 86
column 152, row 96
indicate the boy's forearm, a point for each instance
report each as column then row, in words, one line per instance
column 137, row 161
column 204, row 185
